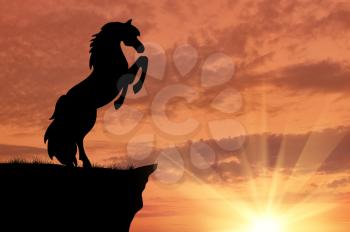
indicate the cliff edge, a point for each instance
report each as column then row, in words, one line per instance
column 46, row 197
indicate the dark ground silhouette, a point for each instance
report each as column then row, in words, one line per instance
column 45, row 197
column 75, row 112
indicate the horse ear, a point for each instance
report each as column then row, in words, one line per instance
column 129, row 21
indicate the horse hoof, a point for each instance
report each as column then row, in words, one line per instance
column 142, row 61
column 117, row 106
column 137, row 87
column 87, row 164
column 118, row 103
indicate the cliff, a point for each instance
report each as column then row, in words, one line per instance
column 45, row 197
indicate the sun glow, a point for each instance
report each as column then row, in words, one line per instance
column 265, row 224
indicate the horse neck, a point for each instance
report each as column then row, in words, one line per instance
column 111, row 58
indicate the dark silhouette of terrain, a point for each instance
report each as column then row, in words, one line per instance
column 75, row 112
column 48, row 197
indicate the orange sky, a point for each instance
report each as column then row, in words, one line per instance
column 275, row 73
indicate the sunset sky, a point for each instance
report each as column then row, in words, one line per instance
column 245, row 107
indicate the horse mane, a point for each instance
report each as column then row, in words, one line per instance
column 95, row 41
column 101, row 40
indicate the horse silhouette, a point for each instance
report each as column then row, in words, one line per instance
column 75, row 112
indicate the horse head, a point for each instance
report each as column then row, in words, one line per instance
column 126, row 32
column 107, row 39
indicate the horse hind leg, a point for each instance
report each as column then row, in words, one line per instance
column 82, row 155
column 67, row 154
column 84, row 124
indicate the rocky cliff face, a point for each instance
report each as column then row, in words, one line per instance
column 52, row 197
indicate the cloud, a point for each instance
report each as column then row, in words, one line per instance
column 279, row 152
column 157, row 210
column 339, row 183
column 324, row 76
column 9, row 151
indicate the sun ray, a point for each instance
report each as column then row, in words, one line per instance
column 305, row 211
column 318, row 147
column 251, row 182
column 298, row 212
column 250, row 147
column 238, row 204
column 316, row 150
column 264, row 143
column 277, row 176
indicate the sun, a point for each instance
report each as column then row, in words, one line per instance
column 265, row 224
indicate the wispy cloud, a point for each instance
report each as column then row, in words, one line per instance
column 10, row 152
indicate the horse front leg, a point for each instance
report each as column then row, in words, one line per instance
column 125, row 80
column 141, row 62
column 122, row 85
column 119, row 102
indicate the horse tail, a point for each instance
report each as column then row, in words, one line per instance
column 59, row 108
column 59, row 142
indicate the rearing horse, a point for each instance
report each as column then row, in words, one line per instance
column 75, row 112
